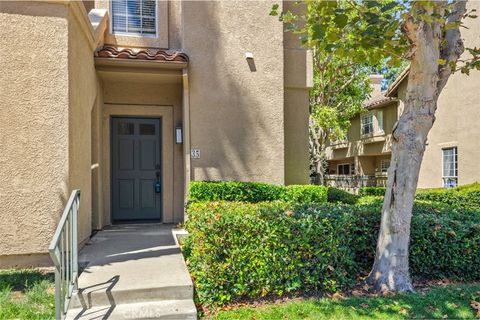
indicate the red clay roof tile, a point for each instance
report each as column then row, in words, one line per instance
column 141, row 54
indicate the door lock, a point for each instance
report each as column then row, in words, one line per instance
column 158, row 186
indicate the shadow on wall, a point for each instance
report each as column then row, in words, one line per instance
column 236, row 111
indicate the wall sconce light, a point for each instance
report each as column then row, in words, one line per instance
column 178, row 135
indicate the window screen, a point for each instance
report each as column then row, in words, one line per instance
column 134, row 17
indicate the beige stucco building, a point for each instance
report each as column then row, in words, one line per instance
column 452, row 145
column 130, row 100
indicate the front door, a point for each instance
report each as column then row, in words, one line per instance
column 136, row 169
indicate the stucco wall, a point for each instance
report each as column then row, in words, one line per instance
column 236, row 114
column 296, row 136
column 456, row 122
column 98, row 208
column 298, row 73
column 82, row 98
column 34, row 119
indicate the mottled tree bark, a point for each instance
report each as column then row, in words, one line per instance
column 317, row 143
column 426, row 80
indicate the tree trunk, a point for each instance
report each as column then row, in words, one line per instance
column 320, row 171
column 390, row 271
column 317, row 143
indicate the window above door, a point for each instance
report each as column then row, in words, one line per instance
column 136, row 23
column 134, row 17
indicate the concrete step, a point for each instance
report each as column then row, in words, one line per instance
column 133, row 272
column 166, row 309
column 103, row 296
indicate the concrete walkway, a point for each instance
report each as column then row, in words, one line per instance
column 133, row 272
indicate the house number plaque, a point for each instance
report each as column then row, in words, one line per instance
column 195, row 153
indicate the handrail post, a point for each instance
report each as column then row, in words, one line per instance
column 75, row 242
column 58, row 306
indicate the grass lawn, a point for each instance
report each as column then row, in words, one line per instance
column 452, row 302
column 26, row 294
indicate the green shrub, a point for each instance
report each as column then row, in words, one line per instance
column 254, row 192
column 303, row 194
column 370, row 200
column 237, row 250
column 234, row 191
column 463, row 196
column 371, row 191
column 336, row 195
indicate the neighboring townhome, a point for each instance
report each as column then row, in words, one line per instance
column 453, row 145
column 130, row 100
column 362, row 159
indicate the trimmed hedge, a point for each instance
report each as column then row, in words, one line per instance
column 463, row 196
column 371, row 191
column 336, row 195
column 238, row 250
column 254, row 192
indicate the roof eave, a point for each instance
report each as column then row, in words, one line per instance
column 380, row 104
column 392, row 90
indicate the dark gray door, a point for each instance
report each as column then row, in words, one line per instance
column 136, row 163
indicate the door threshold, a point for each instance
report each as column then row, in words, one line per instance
column 152, row 221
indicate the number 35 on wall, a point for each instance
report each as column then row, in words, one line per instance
column 195, row 153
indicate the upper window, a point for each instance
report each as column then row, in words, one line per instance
column 135, row 17
column 450, row 167
column 367, row 123
column 371, row 122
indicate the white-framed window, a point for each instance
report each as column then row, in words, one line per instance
column 134, row 17
column 450, row 167
column 384, row 165
column 366, row 123
column 346, row 168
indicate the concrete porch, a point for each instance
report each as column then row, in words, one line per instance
column 133, row 271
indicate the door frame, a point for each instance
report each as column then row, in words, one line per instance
column 160, row 151
column 165, row 114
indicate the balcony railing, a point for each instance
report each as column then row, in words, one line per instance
column 355, row 181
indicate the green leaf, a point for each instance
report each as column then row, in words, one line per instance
column 341, row 20
column 274, row 12
column 389, row 6
column 318, row 32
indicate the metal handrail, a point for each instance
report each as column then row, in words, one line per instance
column 64, row 253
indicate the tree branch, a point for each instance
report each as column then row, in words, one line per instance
column 453, row 46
